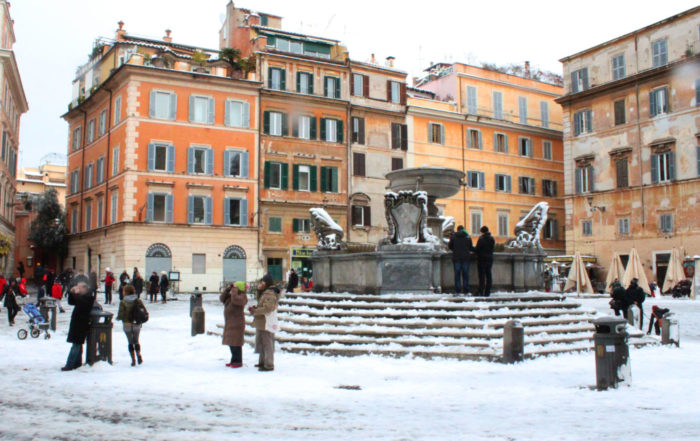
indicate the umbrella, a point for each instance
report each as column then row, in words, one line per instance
column 616, row 271
column 674, row 273
column 635, row 270
column 578, row 277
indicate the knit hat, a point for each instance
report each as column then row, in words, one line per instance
column 267, row 279
column 240, row 285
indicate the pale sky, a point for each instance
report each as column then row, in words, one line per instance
column 54, row 37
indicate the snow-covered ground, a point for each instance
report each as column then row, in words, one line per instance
column 183, row 391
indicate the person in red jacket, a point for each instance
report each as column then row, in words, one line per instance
column 109, row 281
column 57, row 293
column 23, row 287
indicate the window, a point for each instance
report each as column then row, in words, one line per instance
column 526, row 185
column 237, row 113
column 525, row 147
column 623, row 226
column 663, row 166
column 74, row 181
column 115, row 160
column 361, row 216
column 163, row 105
column 500, row 142
column 549, row 188
column 4, row 145
column 399, row 136
column 117, row 110
column 658, row 101
column 551, row 229
column 522, row 109
column 547, row 150
column 88, row 176
column 304, row 177
column 503, row 224
column 160, row 207
column 397, row 164
column 114, row 207
column 666, row 223
column 102, row 124
column 276, row 78
column 274, row 224
column 579, row 80
column 475, row 180
column 584, row 179
column 331, row 87
column 201, row 109
column 90, row 131
column 199, row 263
column 88, row 216
column 236, row 163
column 161, row 157
column 200, row 160
column 276, row 175
column 621, row 165
column 329, row 179
column 275, row 123
column 358, row 84
column 620, row 117
column 659, row 53
column 74, row 220
column 358, row 130
column 301, row 225
column 471, row 100
column 544, row 113
column 618, row 67
column 697, row 152
column 503, row 183
column 396, row 92
column 497, row 105
column 304, row 127
column 75, row 142
column 236, row 212
column 474, row 138
column 358, row 164
column 199, row 210
column 100, row 170
column 100, row 212
column 436, row 133
column 587, row 227
column 582, row 122
column 476, row 222
column 331, row 130
column 305, row 83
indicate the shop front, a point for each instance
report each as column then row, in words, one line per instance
column 301, row 260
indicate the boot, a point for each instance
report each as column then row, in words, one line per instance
column 133, row 356
column 138, row 353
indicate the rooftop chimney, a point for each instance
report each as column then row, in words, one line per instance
column 167, row 36
column 121, row 31
column 390, row 61
column 373, row 60
column 527, row 69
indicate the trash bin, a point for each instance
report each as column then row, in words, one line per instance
column 611, row 352
column 670, row 330
column 195, row 300
column 99, row 340
column 197, row 320
column 47, row 308
column 513, row 341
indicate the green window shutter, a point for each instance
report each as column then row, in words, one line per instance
column 266, row 122
column 324, row 175
column 325, row 86
column 285, row 176
column 672, row 166
column 337, row 87
column 339, row 129
column 295, row 126
column 267, row 174
column 323, row 129
column 285, row 125
column 283, row 79
column 269, row 76
column 652, row 105
column 298, row 81
column 295, row 225
column 579, row 182
column 295, row 177
column 334, row 179
column 312, row 127
column 313, row 170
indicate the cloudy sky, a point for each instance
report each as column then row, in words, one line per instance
column 55, row 36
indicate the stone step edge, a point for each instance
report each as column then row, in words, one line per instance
column 427, row 306
column 422, row 298
column 429, row 314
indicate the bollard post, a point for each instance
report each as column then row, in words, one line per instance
column 513, row 341
column 48, row 308
column 195, row 300
column 197, row 320
column 670, row 331
column 611, row 352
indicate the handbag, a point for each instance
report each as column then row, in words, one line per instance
column 139, row 313
column 271, row 322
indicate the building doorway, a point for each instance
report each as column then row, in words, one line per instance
column 661, row 266
column 274, row 268
column 158, row 258
column 301, row 261
column 234, row 265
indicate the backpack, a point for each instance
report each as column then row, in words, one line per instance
column 139, row 313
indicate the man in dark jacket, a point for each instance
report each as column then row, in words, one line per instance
column 81, row 298
column 484, row 257
column 462, row 248
column 293, row 281
column 9, row 297
column 619, row 299
column 635, row 296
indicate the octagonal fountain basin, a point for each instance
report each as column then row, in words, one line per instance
column 438, row 182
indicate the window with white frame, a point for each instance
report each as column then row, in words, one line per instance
column 160, row 157
column 618, row 67
column 623, row 226
column 547, row 150
column 331, row 87
column 503, row 183
column 395, row 92
column 301, row 225
column 100, row 170
column 525, row 146
column 658, row 101
column 549, row 188
column 582, row 122
column 199, row 209
column 474, row 138
column 276, row 80
column 90, row 131
column 305, row 83
column 475, row 217
column 663, row 167
column 236, row 212
column 100, row 212
column 236, row 163
column 526, row 185
column 201, row 109
column 117, row 110
column 551, row 229
column 88, row 176
column 163, row 105
column 579, row 80
column 276, row 119
column 666, row 223
column 331, row 129
column 585, row 179
column 237, row 113
column 157, row 207
column 587, row 228
column 659, row 53
column 436, row 133
column 114, row 207
column 304, row 127
column 500, row 142
column 361, row 216
column 275, row 175
column 304, row 176
column 475, row 180
column 115, row 160
column 503, row 224
column 200, row 160
column 102, row 124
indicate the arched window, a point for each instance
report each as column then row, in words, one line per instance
column 158, row 250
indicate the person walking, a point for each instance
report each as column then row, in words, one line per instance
column 81, row 297
column 57, row 294
column 619, row 299
column 484, row 259
column 49, row 277
column 265, row 322
column 109, row 281
column 9, row 294
column 462, row 249
column 635, row 296
column 164, row 284
column 123, row 281
column 3, row 283
column 292, row 280
column 132, row 325
column 234, row 299
column 20, row 269
column 153, row 287
column 137, row 282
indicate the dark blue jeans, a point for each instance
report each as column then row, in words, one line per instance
column 461, row 267
column 75, row 356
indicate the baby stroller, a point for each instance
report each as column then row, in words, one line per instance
column 37, row 323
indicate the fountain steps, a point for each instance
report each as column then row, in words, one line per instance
column 431, row 306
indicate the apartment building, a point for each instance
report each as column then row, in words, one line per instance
column 631, row 155
column 13, row 103
column 504, row 132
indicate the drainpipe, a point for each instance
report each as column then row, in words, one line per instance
column 259, row 162
column 639, row 132
column 105, row 172
column 81, row 172
column 464, row 170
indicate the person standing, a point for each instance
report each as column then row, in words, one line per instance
column 234, row 299
column 109, row 281
column 81, row 297
column 132, row 327
column 484, row 258
column 57, row 294
column 48, row 281
column 292, row 280
column 264, row 320
column 93, row 282
column 123, row 281
column 20, row 269
column 10, row 293
column 164, row 284
column 462, row 248
column 153, row 287
column 137, row 282
column 3, row 283
column 635, row 296
column 619, row 299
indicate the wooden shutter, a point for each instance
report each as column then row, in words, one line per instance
column 270, row 70
column 151, row 157
column 227, row 112
column 361, row 126
column 404, row 136
column 149, row 213
column 442, row 134
column 295, row 125
column 312, row 127
column 313, row 173
column 266, row 178
column 388, row 91
column 665, row 100
column 367, row 216
column 482, row 181
column 324, row 178
column 208, row 211
column 584, row 77
column 325, row 86
column 295, row 177
column 244, row 212
column 358, row 166
column 654, row 169
column 227, row 163
column 652, row 104
column 151, row 107
column 299, row 82
column 211, row 110
column 209, row 156
column 283, row 79
column 574, row 82
column 170, row 157
column 336, row 81
column 622, row 175
column 190, row 159
column 246, row 115
column 169, row 208
column 285, row 176
column 577, row 123
column 266, row 122
column 591, row 174
column 295, row 225
column 244, row 164
column 396, row 135
column 339, row 131
column 579, row 183
column 589, row 121
column 365, row 86
column 285, row 125
column 508, row 184
column 173, row 106
column 403, row 94
column 323, row 129
column 334, row 179
column 671, row 166
column 227, row 211
column 352, row 84
column 190, row 209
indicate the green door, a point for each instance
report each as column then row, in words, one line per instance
column 274, row 267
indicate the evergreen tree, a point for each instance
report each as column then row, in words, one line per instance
column 48, row 230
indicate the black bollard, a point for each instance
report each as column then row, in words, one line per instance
column 513, row 341
column 197, row 320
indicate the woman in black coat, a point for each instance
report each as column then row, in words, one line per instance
column 153, row 288
column 83, row 301
column 10, row 293
column 164, row 285
column 123, row 281
column 137, row 282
